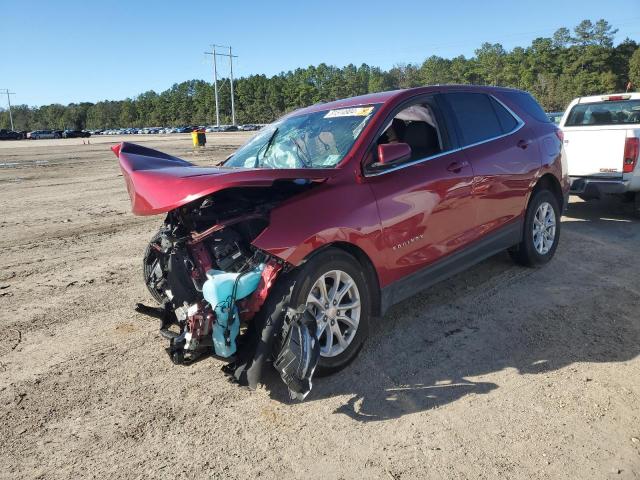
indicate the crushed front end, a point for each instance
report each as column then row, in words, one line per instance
column 212, row 282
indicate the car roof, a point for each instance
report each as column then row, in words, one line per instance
column 396, row 95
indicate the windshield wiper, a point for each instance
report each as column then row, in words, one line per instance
column 266, row 148
column 300, row 154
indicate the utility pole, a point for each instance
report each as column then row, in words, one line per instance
column 233, row 108
column 215, row 82
column 9, row 103
column 215, row 54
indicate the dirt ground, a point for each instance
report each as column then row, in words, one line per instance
column 499, row 372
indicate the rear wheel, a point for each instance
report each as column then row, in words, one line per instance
column 541, row 231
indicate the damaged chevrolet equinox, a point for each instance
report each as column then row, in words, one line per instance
column 335, row 212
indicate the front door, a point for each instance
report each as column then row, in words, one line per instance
column 425, row 204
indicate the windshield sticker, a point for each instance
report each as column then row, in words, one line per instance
column 349, row 112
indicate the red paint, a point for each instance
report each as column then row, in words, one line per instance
column 403, row 220
column 393, row 152
column 201, row 256
column 159, row 183
column 251, row 305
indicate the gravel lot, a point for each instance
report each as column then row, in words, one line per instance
column 500, row 372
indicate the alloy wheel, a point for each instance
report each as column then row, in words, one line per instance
column 335, row 300
column 544, row 228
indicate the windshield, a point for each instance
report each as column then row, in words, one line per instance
column 315, row 140
column 604, row 113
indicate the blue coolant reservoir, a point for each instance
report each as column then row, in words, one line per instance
column 217, row 290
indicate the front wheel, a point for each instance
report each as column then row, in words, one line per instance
column 153, row 272
column 335, row 290
column 541, row 231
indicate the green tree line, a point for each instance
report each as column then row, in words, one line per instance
column 570, row 63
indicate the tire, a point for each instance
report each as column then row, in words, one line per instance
column 293, row 289
column 148, row 264
column 535, row 249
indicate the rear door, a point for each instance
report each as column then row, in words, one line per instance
column 503, row 152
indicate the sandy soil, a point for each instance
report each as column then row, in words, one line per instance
column 500, row 372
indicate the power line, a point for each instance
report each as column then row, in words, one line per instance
column 6, row 90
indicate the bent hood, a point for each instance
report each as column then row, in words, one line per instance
column 159, row 183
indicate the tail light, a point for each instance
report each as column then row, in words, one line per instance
column 631, row 150
column 560, row 135
column 615, row 98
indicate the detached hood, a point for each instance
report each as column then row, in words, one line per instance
column 158, row 182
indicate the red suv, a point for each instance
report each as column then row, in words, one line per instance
column 339, row 211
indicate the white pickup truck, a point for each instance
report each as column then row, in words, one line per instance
column 601, row 144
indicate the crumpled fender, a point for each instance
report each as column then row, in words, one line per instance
column 158, row 183
column 340, row 210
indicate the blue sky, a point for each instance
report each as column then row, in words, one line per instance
column 71, row 51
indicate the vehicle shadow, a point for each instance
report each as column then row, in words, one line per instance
column 439, row 346
column 603, row 210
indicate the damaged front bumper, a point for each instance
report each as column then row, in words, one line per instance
column 212, row 327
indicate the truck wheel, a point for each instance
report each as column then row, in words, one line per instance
column 541, row 231
column 636, row 205
column 335, row 289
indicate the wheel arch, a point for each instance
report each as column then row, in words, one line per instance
column 549, row 182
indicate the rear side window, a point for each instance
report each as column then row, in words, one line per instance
column 479, row 116
column 527, row 103
column 507, row 122
column 604, row 113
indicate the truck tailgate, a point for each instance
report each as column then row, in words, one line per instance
column 594, row 151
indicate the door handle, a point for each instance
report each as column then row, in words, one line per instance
column 523, row 144
column 456, row 167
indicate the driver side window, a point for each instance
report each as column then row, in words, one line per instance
column 417, row 126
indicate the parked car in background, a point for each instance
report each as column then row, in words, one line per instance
column 601, row 144
column 75, row 134
column 228, row 128
column 555, row 117
column 341, row 210
column 249, row 127
column 9, row 135
column 42, row 134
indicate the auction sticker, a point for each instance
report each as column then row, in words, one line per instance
column 349, row 112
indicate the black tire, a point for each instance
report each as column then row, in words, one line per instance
column 636, row 205
column 525, row 252
column 292, row 290
column 148, row 264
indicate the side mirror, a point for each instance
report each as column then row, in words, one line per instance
column 393, row 152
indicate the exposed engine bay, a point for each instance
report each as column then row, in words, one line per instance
column 212, row 282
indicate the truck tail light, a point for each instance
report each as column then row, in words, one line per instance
column 615, row 98
column 631, row 150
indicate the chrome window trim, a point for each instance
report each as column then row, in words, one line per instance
column 519, row 125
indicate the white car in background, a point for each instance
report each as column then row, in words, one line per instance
column 601, row 144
